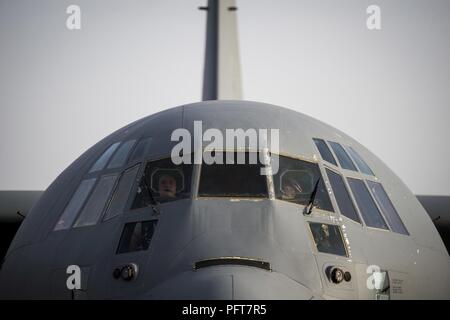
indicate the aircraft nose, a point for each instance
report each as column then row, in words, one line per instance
column 230, row 283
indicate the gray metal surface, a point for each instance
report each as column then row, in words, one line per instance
column 198, row 228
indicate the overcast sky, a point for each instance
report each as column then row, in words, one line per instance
column 63, row 90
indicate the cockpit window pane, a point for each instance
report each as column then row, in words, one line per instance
column 101, row 162
column 296, row 180
column 141, row 149
column 325, row 152
column 77, row 201
column 120, row 157
column 362, row 165
column 234, row 177
column 97, row 201
column 387, row 207
column 121, row 194
column 136, row 236
column 366, row 204
column 163, row 181
column 344, row 159
column 342, row 196
column 328, row 238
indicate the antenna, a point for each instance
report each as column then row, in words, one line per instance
column 222, row 70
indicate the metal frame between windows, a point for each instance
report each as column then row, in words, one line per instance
column 350, row 193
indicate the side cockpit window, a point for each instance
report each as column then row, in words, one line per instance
column 88, row 203
column 369, row 210
column 163, row 181
column 391, row 215
column 301, row 182
column 94, row 207
column 347, row 156
column 121, row 193
column 115, row 156
column 340, row 191
column 104, row 158
column 75, row 204
column 328, row 238
column 121, row 156
column 136, row 236
column 362, row 165
column 344, row 159
column 325, row 152
column 233, row 174
column 142, row 149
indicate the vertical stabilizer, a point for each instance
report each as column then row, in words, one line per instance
column 222, row 70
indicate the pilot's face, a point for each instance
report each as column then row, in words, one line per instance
column 167, row 187
column 288, row 192
column 325, row 231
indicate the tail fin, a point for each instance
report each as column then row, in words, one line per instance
column 222, row 70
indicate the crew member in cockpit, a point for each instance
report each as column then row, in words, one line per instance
column 167, row 188
column 294, row 191
column 324, row 243
column 289, row 190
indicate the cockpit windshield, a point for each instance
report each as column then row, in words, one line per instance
column 163, row 181
column 296, row 182
column 234, row 174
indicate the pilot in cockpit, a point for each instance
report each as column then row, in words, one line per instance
column 296, row 186
column 324, row 243
column 167, row 187
column 162, row 185
column 290, row 189
column 167, row 184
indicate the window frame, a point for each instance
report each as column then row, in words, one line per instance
column 128, row 200
column 382, row 211
column 147, row 142
column 69, row 200
column 336, row 163
column 269, row 186
column 143, row 165
column 105, row 165
column 137, row 215
column 311, row 236
column 374, row 201
column 126, row 157
column 325, row 182
column 105, row 205
column 349, row 147
column 361, row 222
column 97, row 175
column 124, row 223
column 330, row 143
column 269, row 179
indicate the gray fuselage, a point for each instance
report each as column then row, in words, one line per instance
column 229, row 233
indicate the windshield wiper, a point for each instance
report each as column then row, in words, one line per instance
column 309, row 206
column 154, row 203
